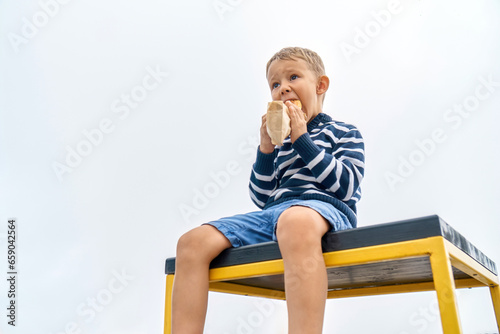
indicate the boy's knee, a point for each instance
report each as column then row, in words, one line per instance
column 192, row 242
column 187, row 244
column 300, row 224
column 201, row 243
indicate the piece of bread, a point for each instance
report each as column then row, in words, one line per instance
column 297, row 103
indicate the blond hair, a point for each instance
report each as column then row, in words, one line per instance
column 312, row 59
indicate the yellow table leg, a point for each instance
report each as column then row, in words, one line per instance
column 167, row 329
column 495, row 297
column 445, row 289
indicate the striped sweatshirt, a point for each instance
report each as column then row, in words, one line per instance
column 327, row 163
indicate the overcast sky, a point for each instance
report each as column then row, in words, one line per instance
column 124, row 124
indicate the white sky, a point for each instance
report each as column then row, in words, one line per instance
column 119, row 210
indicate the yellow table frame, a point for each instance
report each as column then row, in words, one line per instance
column 442, row 254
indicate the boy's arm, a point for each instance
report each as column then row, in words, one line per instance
column 262, row 180
column 341, row 171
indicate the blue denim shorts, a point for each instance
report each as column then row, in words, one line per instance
column 260, row 226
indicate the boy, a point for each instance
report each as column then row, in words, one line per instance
column 306, row 187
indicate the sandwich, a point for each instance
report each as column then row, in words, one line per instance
column 278, row 121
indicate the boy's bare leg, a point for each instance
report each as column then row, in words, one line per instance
column 299, row 233
column 195, row 250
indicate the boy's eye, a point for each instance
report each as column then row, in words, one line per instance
column 293, row 77
column 275, row 85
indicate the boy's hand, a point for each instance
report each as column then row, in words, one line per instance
column 266, row 146
column 297, row 121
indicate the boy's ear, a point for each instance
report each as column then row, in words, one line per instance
column 323, row 84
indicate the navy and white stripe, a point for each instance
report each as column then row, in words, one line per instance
column 326, row 163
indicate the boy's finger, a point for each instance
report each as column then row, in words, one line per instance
column 295, row 111
column 293, row 107
column 264, row 119
column 290, row 105
column 290, row 108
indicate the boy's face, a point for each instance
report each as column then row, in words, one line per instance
column 294, row 80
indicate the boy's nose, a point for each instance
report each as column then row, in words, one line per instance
column 285, row 90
